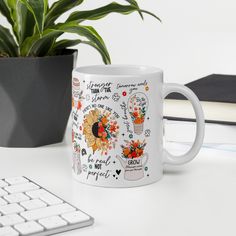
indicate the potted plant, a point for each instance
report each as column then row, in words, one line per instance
column 35, row 66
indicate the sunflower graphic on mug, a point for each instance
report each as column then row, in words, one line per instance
column 100, row 130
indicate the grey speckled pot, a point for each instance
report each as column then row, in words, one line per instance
column 35, row 99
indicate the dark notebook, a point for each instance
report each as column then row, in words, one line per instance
column 217, row 94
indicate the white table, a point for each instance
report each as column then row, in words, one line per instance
column 194, row 200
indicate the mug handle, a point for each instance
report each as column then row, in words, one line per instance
column 182, row 159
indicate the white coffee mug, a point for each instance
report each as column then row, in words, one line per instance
column 118, row 125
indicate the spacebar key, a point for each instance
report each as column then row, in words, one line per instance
column 47, row 211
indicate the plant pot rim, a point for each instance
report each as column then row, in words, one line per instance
column 66, row 52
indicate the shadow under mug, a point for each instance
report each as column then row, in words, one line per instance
column 117, row 131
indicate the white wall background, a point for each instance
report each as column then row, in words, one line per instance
column 195, row 39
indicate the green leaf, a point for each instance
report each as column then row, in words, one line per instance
column 65, row 43
column 23, row 22
column 69, row 43
column 5, row 12
column 88, row 32
column 36, row 32
column 7, row 42
column 134, row 3
column 104, row 57
column 36, row 46
column 26, row 22
column 58, row 8
column 39, row 45
column 101, row 12
column 12, row 5
column 150, row 13
column 38, row 8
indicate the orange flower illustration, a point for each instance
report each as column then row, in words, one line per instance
column 100, row 130
column 133, row 149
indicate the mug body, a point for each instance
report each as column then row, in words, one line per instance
column 117, row 131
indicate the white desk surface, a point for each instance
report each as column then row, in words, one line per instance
column 196, row 199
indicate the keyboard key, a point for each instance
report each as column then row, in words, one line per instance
column 21, row 188
column 47, row 212
column 16, row 197
column 11, row 220
column 26, row 209
column 11, row 209
column 51, row 199
column 33, row 204
column 75, row 217
column 2, row 202
column 3, row 192
column 16, row 180
column 29, row 228
column 36, row 193
column 8, row 231
column 53, row 222
column 45, row 196
column 3, row 184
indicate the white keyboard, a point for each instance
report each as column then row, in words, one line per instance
column 28, row 209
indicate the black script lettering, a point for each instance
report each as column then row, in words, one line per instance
column 99, row 98
column 90, row 159
column 98, row 174
column 106, row 162
column 99, row 87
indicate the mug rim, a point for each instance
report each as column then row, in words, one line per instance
column 114, row 70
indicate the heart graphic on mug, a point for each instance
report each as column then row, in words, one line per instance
column 118, row 172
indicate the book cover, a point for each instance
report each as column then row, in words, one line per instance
column 213, row 88
column 217, row 94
